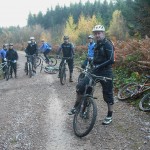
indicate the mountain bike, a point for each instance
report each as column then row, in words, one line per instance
column 6, row 67
column 40, row 59
column 63, row 70
column 134, row 90
column 29, row 66
column 144, row 103
column 86, row 112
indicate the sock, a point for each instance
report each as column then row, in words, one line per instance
column 109, row 114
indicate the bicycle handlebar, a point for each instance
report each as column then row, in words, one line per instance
column 100, row 77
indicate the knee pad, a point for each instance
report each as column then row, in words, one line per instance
column 108, row 98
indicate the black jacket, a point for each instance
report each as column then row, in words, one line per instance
column 67, row 49
column 32, row 49
column 103, row 54
column 12, row 55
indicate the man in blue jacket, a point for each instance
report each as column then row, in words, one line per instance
column 45, row 49
column 90, row 53
column 3, row 52
column 102, row 61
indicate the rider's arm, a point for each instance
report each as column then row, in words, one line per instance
column 109, row 55
column 59, row 50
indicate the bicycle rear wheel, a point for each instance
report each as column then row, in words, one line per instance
column 145, row 103
column 128, row 91
column 85, row 117
column 63, row 75
column 52, row 61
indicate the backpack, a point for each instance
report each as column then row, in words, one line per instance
column 113, row 49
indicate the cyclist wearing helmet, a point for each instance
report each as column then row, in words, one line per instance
column 103, row 60
column 90, row 53
column 32, row 49
column 12, row 55
column 3, row 52
column 67, row 49
column 45, row 49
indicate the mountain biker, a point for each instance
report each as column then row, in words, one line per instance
column 103, row 60
column 67, row 49
column 45, row 48
column 3, row 52
column 90, row 53
column 32, row 49
column 12, row 55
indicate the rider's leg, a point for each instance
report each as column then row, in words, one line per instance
column 34, row 64
column 70, row 65
column 80, row 89
column 15, row 69
column 108, row 98
column 45, row 55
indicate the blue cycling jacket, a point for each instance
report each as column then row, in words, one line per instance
column 45, row 46
column 3, row 53
column 91, row 50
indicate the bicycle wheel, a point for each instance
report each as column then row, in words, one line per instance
column 38, row 61
column 30, row 70
column 81, row 76
column 7, row 73
column 85, row 117
column 128, row 91
column 50, row 70
column 63, row 75
column 52, row 61
column 145, row 103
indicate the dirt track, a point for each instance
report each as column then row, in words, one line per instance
column 33, row 116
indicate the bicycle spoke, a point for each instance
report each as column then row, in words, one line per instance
column 84, row 119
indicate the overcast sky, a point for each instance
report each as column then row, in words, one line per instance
column 15, row 12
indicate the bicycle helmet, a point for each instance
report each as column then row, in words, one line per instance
column 90, row 37
column 32, row 38
column 11, row 44
column 66, row 38
column 5, row 45
column 98, row 28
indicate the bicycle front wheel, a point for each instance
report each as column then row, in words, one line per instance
column 145, row 103
column 85, row 117
column 7, row 73
column 30, row 70
column 52, row 61
column 63, row 75
column 128, row 91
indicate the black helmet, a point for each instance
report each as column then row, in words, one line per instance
column 66, row 38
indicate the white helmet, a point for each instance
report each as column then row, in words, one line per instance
column 32, row 38
column 90, row 37
column 98, row 28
